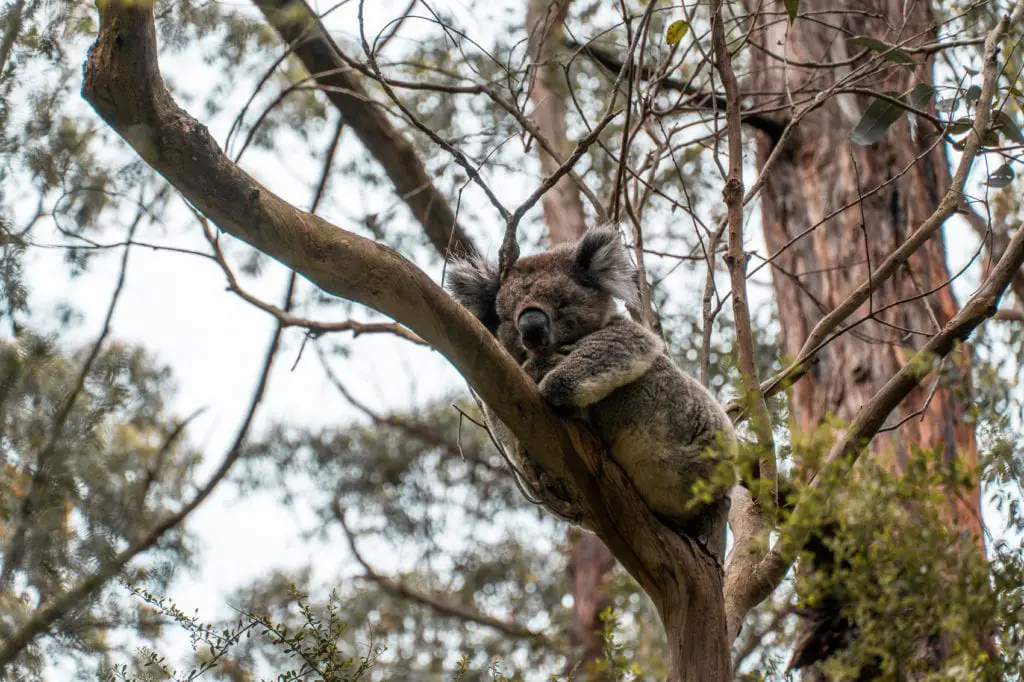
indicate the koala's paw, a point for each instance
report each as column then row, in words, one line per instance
column 558, row 391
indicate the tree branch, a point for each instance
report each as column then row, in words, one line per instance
column 563, row 209
column 435, row 602
column 301, row 29
column 702, row 100
column 122, row 82
column 752, row 518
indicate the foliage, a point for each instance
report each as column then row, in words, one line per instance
column 90, row 461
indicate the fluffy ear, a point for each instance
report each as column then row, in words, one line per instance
column 474, row 284
column 601, row 260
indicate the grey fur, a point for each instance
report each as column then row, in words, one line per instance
column 664, row 429
column 474, row 283
column 607, row 263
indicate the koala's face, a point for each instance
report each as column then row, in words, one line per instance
column 544, row 304
column 549, row 300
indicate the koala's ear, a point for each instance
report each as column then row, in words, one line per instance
column 474, row 284
column 601, row 260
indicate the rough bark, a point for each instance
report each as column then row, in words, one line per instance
column 122, row 82
column 818, row 172
column 300, row 28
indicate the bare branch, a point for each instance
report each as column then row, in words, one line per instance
column 701, row 100
column 438, row 603
column 509, row 246
column 301, row 29
column 1010, row 314
column 749, row 528
column 563, row 209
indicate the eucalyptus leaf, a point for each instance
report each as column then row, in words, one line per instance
column 920, row 95
column 1005, row 123
column 876, row 121
column 792, row 7
column 960, row 126
column 676, row 31
column 1001, row 177
column 973, row 93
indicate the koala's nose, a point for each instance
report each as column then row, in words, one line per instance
column 534, row 328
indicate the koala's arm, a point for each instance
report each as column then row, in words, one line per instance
column 601, row 362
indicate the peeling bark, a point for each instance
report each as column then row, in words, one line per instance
column 819, row 172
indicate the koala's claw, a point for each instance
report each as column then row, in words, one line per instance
column 557, row 391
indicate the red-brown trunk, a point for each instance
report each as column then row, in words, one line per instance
column 821, row 171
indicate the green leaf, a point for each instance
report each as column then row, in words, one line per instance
column 676, row 31
column 973, row 93
column 792, row 7
column 1000, row 177
column 1004, row 122
column 960, row 126
column 877, row 119
column 946, row 105
column 920, row 95
column 889, row 52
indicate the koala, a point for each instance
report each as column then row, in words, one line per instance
column 555, row 314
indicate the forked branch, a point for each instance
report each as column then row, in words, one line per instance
column 122, row 81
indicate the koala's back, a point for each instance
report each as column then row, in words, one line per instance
column 667, row 432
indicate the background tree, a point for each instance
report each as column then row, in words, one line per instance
column 401, row 120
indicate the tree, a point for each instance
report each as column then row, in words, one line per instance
column 649, row 116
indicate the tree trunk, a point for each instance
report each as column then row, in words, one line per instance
column 819, row 172
column 590, row 567
column 563, row 207
column 693, row 616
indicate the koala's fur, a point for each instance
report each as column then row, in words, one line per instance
column 661, row 426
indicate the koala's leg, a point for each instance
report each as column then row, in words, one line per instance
column 601, row 362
